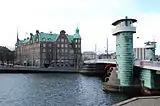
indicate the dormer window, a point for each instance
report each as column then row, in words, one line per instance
column 43, row 39
column 49, row 39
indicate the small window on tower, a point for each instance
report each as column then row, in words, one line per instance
column 76, row 40
column 62, row 40
column 75, row 46
column 79, row 41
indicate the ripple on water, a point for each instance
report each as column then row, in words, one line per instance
column 54, row 90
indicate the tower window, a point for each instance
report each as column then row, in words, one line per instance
column 76, row 40
column 62, row 40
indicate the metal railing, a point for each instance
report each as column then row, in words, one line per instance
column 147, row 63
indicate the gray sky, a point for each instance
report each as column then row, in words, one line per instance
column 94, row 18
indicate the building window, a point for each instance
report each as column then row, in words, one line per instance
column 50, row 45
column 44, row 55
column 66, row 45
column 58, row 56
column 57, row 45
column 50, row 50
column 76, row 40
column 79, row 51
column 75, row 46
column 62, row 45
column 71, row 51
column 66, row 57
column 58, row 50
column 62, row 40
column 44, row 50
column 66, row 50
column 44, row 45
column 79, row 46
column 79, row 41
column 62, row 50
column 65, row 40
column 58, row 40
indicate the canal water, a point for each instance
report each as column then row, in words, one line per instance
column 54, row 90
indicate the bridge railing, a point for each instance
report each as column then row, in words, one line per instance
column 100, row 61
column 147, row 63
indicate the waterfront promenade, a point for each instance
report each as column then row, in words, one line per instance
column 141, row 101
column 34, row 69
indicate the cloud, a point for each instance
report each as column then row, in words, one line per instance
column 148, row 29
column 94, row 18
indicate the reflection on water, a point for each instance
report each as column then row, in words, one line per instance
column 54, row 90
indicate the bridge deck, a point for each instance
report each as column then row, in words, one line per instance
column 153, row 65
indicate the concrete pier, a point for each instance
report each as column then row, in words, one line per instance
column 141, row 101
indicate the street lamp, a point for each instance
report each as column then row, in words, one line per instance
column 33, row 56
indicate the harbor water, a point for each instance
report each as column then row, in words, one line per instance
column 54, row 90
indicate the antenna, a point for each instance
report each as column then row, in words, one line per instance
column 96, row 48
column 95, row 52
column 107, row 47
column 153, row 38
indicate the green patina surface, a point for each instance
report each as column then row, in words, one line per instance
column 50, row 37
column 147, row 77
column 150, row 53
column 124, row 48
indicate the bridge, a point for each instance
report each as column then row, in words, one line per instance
column 152, row 65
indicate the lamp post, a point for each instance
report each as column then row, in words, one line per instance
column 33, row 56
column 77, row 61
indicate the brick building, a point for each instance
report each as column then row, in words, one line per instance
column 42, row 49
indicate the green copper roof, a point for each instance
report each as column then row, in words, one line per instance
column 77, row 30
column 50, row 37
column 47, row 37
column 26, row 40
column 70, row 38
column 21, row 41
column 76, row 36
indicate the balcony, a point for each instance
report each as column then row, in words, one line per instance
column 117, row 30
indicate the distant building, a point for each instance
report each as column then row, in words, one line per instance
column 49, row 48
column 113, row 55
column 139, row 53
column 104, row 56
column 89, row 55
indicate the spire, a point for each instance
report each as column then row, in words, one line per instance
column 77, row 30
column 17, row 36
